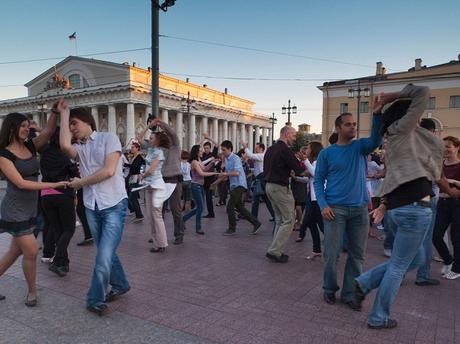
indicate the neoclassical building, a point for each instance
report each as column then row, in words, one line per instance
column 119, row 96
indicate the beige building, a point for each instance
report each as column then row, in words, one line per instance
column 443, row 106
column 119, row 96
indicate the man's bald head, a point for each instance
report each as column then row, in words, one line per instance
column 288, row 135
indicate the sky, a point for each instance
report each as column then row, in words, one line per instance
column 355, row 33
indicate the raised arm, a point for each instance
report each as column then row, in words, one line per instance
column 169, row 131
column 320, row 179
column 198, row 169
column 65, row 137
column 47, row 131
column 419, row 96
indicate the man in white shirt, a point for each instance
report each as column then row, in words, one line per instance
column 258, row 158
column 104, row 197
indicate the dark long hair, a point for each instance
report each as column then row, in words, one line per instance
column 163, row 139
column 194, row 153
column 315, row 148
column 10, row 128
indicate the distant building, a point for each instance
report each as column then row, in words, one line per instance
column 119, row 97
column 443, row 106
column 305, row 128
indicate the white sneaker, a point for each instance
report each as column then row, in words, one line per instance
column 46, row 260
column 446, row 269
column 452, row 275
column 77, row 223
column 387, row 252
column 380, row 227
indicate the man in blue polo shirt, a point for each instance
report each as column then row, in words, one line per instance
column 234, row 171
column 340, row 186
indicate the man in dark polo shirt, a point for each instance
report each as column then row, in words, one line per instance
column 279, row 161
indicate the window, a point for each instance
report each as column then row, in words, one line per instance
column 454, row 102
column 343, row 107
column 431, row 105
column 75, row 80
column 363, row 107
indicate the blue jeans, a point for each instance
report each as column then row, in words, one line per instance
column 412, row 222
column 354, row 223
column 197, row 194
column 107, row 228
column 424, row 271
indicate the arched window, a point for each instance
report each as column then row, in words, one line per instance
column 75, row 80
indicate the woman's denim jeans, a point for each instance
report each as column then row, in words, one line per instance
column 107, row 229
column 197, row 194
column 412, row 225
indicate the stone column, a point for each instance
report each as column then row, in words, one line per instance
column 112, row 127
column 36, row 118
column 224, row 130
column 191, row 130
column 270, row 141
column 251, row 137
column 204, row 125
column 180, row 128
column 164, row 116
column 235, row 144
column 264, row 136
column 95, row 114
column 242, row 133
column 215, row 130
column 257, row 134
column 130, row 123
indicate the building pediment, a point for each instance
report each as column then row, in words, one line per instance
column 76, row 72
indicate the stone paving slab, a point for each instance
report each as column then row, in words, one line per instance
column 218, row 289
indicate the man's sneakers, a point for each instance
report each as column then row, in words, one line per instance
column 86, row 242
column 284, row 258
column 387, row 252
column 427, row 283
column 229, row 232
column 98, row 309
column 452, row 275
column 112, row 295
column 329, row 298
column 390, row 323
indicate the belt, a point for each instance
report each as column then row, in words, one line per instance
column 422, row 204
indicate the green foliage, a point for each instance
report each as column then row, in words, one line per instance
column 301, row 140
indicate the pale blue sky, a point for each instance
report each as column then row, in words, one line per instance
column 360, row 32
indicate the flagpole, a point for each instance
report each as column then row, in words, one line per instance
column 76, row 49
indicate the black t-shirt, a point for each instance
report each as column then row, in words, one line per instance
column 408, row 193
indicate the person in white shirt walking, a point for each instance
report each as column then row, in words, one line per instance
column 259, row 181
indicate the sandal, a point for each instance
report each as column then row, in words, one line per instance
column 31, row 302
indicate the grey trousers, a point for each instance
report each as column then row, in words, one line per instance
column 176, row 211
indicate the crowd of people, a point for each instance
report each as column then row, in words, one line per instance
column 402, row 179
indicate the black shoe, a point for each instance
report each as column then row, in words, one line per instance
column 150, row 241
column 256, row 228
column 85, row 242
column 66, row 268
column 99, row 310
column 272, row 219
column 428, row 282
column 178, row 241
column 284, row 258
column 58, row 270
column 352, row 305
column 229, row 232
column 113, row 295
column 358, row 296
column 390, row 323
column 199, row 231
column 209, row 216
column 329, row 298
column 2, row 297
column 158, row 250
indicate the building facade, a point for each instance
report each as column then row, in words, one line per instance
column 357, row 96
column 119, row 97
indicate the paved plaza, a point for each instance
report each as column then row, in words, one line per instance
column 216, row 289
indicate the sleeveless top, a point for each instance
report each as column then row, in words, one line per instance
column 18, row 210
column 196, row 178
column 155, row 180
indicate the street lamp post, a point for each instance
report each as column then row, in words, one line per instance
column 288, row 109
column 42, row 108
column 155, row 70
column 351, row 94
column 273, row 121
